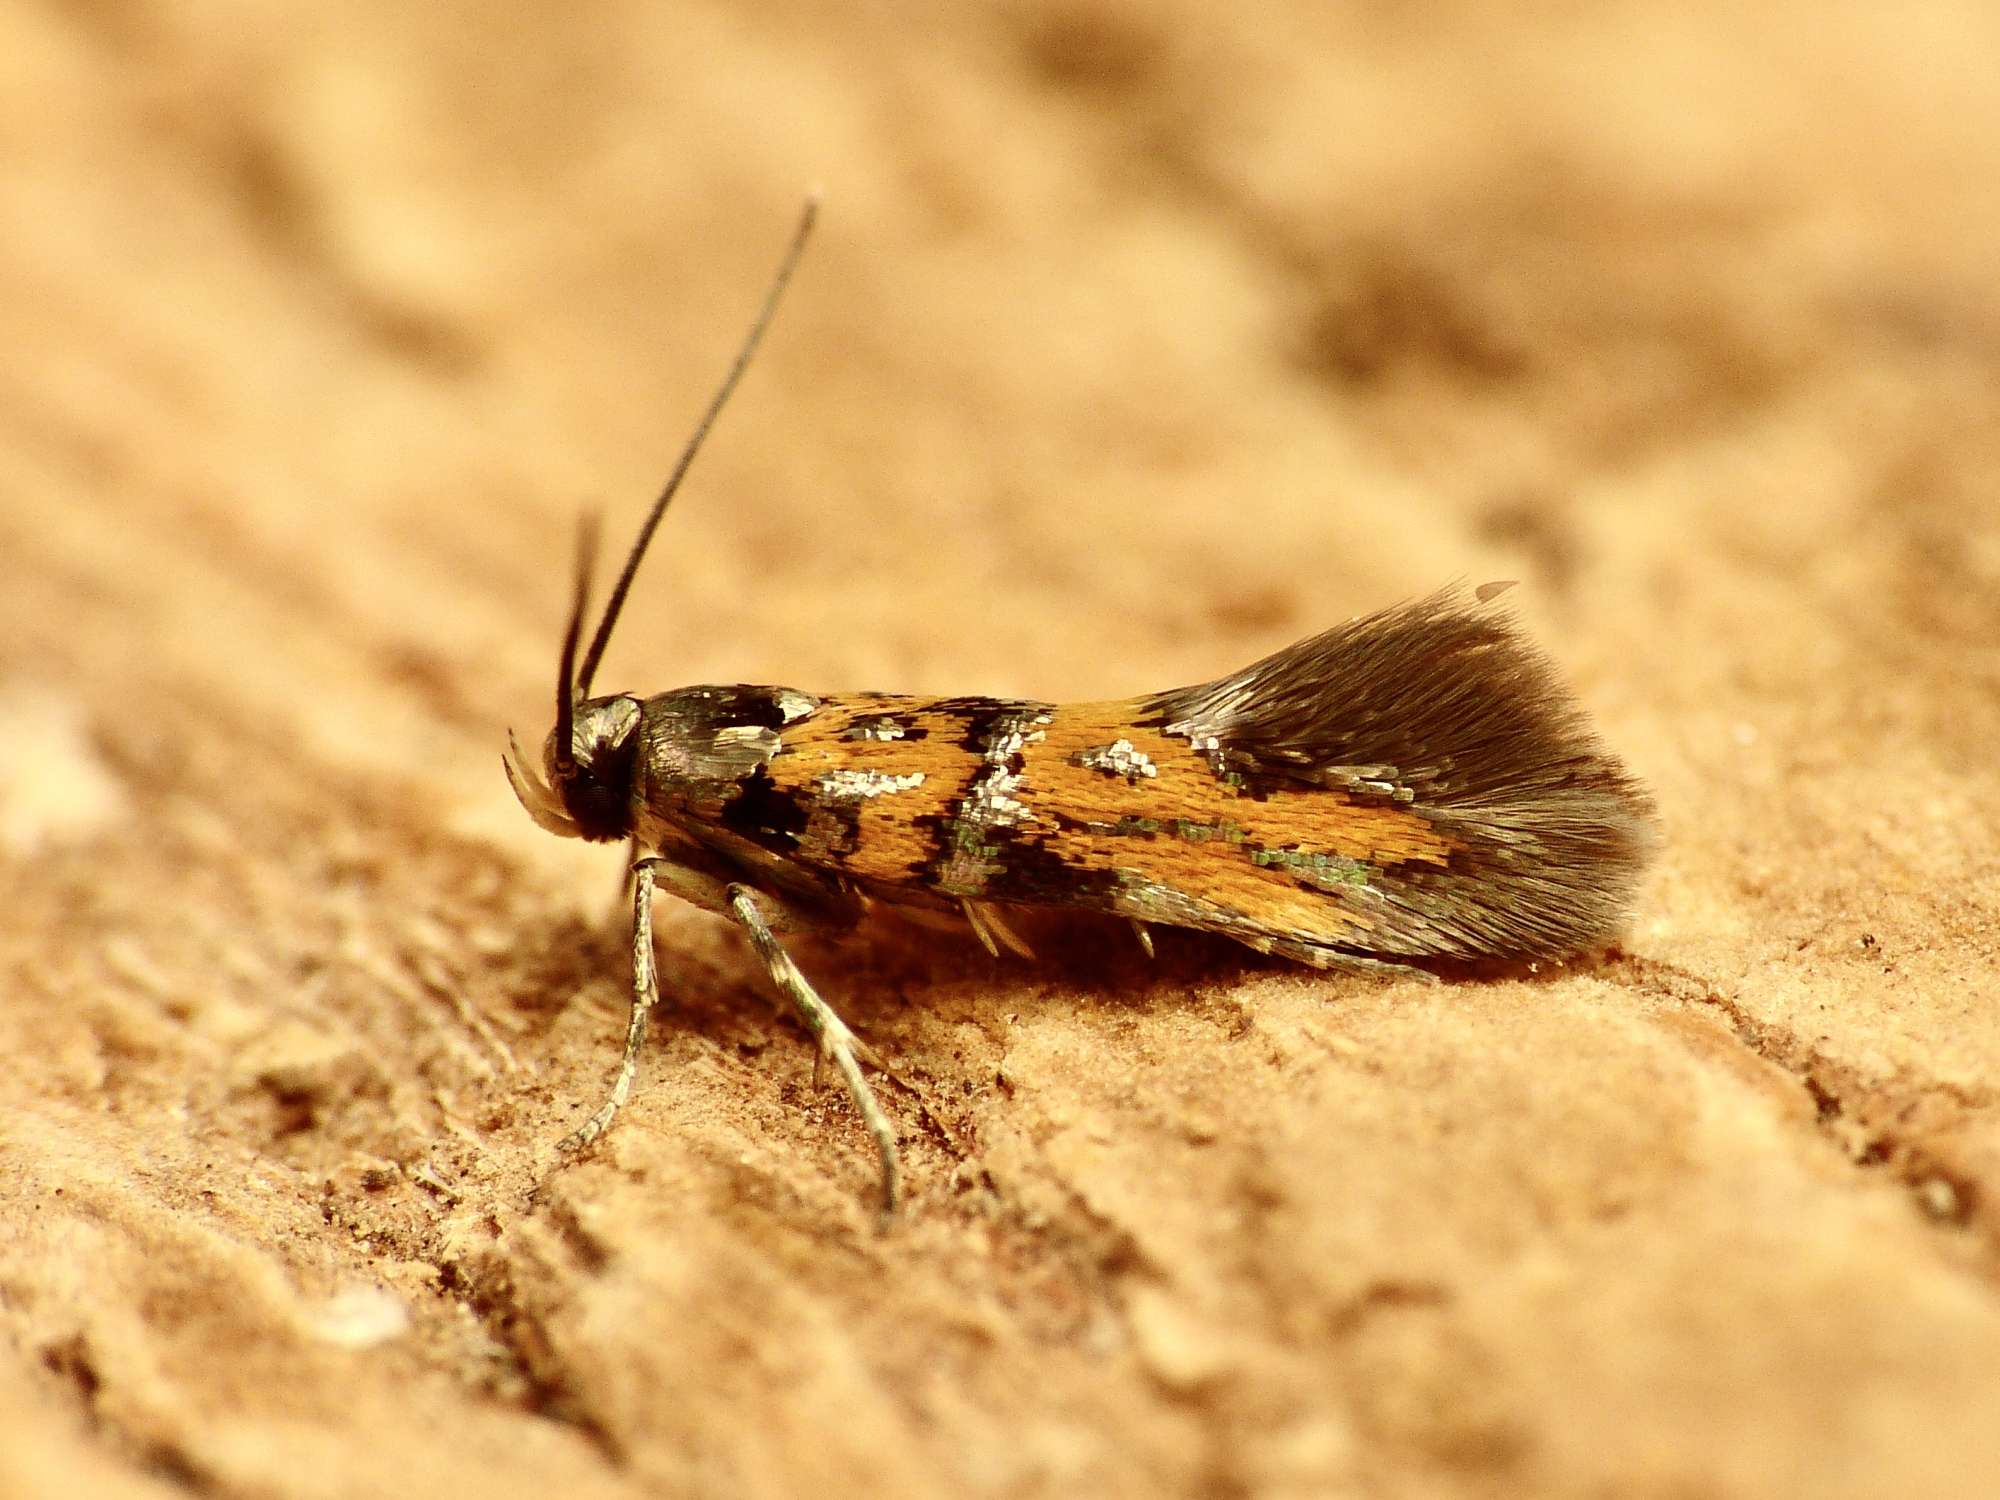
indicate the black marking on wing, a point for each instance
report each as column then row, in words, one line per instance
column 872, row 727
column 745, row 705
column 1026, row 867
column 767, row 815
column 978, row 718
column 833, row 831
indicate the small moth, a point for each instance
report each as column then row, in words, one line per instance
column 1414, row 784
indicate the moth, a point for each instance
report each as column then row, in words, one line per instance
column 1415, row 784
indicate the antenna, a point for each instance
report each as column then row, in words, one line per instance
column 566, row 694
column 742, row 361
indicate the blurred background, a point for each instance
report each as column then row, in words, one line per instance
column 1214, row 324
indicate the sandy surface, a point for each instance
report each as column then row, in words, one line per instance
column 1136, row 343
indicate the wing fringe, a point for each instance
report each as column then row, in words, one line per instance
column 1441, row 706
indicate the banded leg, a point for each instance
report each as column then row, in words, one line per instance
column 836, row 1042
column 645, row 995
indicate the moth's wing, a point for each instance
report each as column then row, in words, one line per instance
column 1441, row 707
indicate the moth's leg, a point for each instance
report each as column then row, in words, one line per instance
column 980, row 930
column 1145, row 901
column 993, row 931
column 1143, row 933
column 625, row 875
column 1337, row 960
column 836, row 1042
column 697, row 889
column 645, row 876
column 645, row 995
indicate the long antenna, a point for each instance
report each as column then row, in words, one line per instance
column 715, row 405
column 566, row 693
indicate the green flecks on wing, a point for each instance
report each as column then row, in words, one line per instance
column 1222, row 831
column 1316, row 869
column 969, row 842
column 1185, row 829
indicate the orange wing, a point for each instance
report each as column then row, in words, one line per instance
column 1413, row 783
column 1082, row 806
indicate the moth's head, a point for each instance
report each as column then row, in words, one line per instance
column 584, row 789
column 586, row 794
column 592, row 753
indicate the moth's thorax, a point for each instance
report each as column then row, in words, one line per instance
column 699, row 747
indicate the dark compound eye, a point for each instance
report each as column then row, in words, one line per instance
column 598, row 793
column 600, row 796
